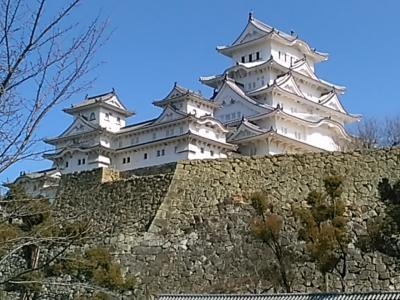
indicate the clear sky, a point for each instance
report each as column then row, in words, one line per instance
column 156, row 43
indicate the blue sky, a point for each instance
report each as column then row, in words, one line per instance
column 155, row 43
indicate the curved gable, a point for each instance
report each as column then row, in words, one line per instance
column 331, row 100
column 169, row 114
column 230, row 94
column 78, row 126
column 288, row 83
column 305, row 69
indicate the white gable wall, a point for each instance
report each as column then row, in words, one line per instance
column 233, row 110
column 111, row 120
column 264, row 49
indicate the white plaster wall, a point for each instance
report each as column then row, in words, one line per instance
column 145, row 136
column 256, row 147
column 73, row 163
column 208, row 132
column 322, row 138
column 290, row 52
column 265, row 123
column 112, row 123
column 262, row 147
column 309, row 92
column 234, row 110
column 197, row 152
column 137, row 159
column 92, row 161
column 289, row 105
column 274, row 148
column 292, row 107
column 290, row 129
column 256, row 79
column 264, row 49
column 198, row 110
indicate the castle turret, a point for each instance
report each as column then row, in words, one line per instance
column 273, row 84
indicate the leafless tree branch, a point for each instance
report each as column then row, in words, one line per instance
column 43, row 61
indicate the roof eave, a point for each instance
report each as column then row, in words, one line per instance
column 74, row 110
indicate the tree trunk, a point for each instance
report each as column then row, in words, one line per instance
column 32, row 254
column 326, row 282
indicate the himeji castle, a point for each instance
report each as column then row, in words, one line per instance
column 99, row 137
column 270, row 101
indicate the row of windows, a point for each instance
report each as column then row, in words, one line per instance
column 159, row 153
column 80, row 162
column 107, row 118
column 202, row 152
column 286, row 57
column 252, row 57
column 252, row 85
column 168, row 133
column 127, row 160
column 297, row 134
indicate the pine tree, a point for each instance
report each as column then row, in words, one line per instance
column 323, row 228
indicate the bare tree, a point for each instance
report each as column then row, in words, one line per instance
column 44, row 55
column 368, row 134
column 391, row 132
column 372, row 133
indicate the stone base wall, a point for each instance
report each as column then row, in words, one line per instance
column 188, row 231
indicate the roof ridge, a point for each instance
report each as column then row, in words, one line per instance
column 101, row 95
